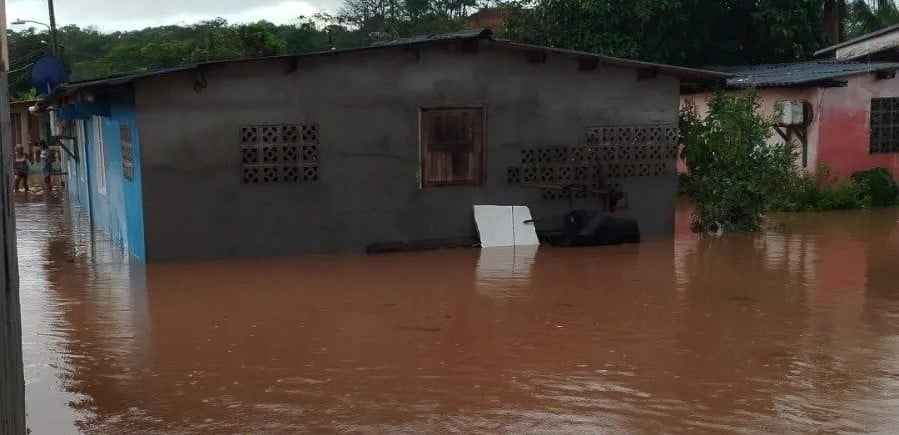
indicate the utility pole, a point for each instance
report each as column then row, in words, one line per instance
column 12, row 382
column 53, row 41
column 834, row 21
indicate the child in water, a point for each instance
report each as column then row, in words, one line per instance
column 46, row 164
column 20, row 166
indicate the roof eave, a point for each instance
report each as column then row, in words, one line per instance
column 683, row 73
column 676, row 71
column 829, row 83
column 822, row 52
column 856, row 40
column 68, row 89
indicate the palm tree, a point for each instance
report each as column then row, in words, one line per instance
column 866, row 16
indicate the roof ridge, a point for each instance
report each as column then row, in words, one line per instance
column 857, row 39
column 807, row 73
column 474, row 33
column 463, row 35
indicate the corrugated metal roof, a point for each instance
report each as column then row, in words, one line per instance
column 463, row 34
column 862, row 38
column 472, row 34
column 797, row 74
column 677, row 71
column 122, row 79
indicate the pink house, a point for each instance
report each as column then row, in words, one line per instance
column 842, row 112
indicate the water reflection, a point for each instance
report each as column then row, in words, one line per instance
column 505, row 271
column 83, row 312
column 792, row 330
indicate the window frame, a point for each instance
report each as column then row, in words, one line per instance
column 481, row 174
column 81, row 145
column 127, row 151
column 884, row 125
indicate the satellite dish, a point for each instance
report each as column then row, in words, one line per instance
column 48, row 73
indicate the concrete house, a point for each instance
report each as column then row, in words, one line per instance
column 841, row 111
column 25, row 126
column 27, row 129
column 340, row 150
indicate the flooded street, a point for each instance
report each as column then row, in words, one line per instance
column 792, row 330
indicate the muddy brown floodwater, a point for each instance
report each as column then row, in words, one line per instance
column 793, row 330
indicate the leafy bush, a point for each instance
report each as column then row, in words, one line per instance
column 880, row 186
column 798, row 193
column 846, row 195
column 822, row 192
column 735, row 175
column 733, row 172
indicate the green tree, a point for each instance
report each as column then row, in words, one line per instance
column 305, row 36
column 259, row 39
column 687, row 32
column 25, row 47
column 871, row 15
column 733, row 172
column 399, row 18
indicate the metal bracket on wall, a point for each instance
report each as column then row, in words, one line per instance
column 413, row 54
column 801, row 132
column 291, row 65
column 58, row 141
column 200, row 82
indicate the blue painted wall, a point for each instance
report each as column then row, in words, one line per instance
column 119, row 210
column 77, row 171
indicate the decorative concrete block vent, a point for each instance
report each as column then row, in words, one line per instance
column 279, row 153
column 610, row 155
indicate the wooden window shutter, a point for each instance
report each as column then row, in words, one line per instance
column 452, row 146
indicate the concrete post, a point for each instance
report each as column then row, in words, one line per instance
column 12, row 382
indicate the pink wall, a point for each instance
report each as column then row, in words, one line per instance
column 767, row 98
column 838, row 135
column 845, row 115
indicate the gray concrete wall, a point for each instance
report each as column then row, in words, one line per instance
column 366, row 104
column 12, row 381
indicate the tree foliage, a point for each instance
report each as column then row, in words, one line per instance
column 733, row 172
column 89, row 53
column 684, row 32
column 821, row 191
column 391, row 18
column 866, row 16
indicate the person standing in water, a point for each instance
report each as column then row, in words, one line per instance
column 20, row 167
column 46, row 164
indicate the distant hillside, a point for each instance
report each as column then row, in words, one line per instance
column 682, row 32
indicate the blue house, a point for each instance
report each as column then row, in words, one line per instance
column 349, row 149
column 104, row 168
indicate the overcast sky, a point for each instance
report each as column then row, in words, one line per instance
column 110, row 15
